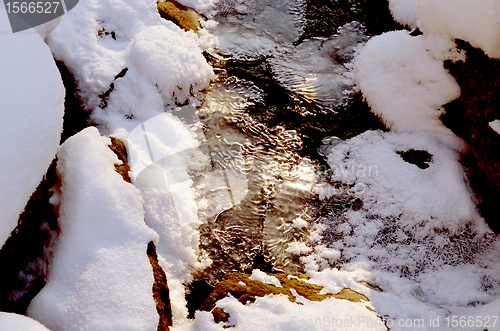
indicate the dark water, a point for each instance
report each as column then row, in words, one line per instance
column 277, row 96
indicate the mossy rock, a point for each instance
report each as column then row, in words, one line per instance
column 183, row 16
column 230, row 284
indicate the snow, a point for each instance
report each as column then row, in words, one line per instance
column 164, row 62
column 31, row 108
column 15, row 322
column 405, row 85
column 404, row 12
column 100, row 277
column 205, row 7
column 495, row 125
column 276, row 312
column 389, row 185
column 297, row 248
column 166, row 67
column 474, row 21
column 161, row 152
column 261, row 276
column 418, row 234
column 300, row 223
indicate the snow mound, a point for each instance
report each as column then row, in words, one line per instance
column 205, row 7
column 388, row 185
column 15, row 322
column 474, row 21
column 276, row 312
column 100, row 277
column 130, row 63
column 404, row 12
column 31, row 108
column 405, row 85
column 261, row 276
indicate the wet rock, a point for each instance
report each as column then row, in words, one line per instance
column 324, row 17
column 469, row 117
column 233, row 284
column 183, row 16
column 25, row 256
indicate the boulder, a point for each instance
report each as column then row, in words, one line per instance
column 469, row 117
column 183, row 16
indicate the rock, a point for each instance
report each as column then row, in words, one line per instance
column 26, row 254
column 183, row 16
column 417, row 157
column 324, row 17
column 233, row 284
column 469, row 117
column 161, row 292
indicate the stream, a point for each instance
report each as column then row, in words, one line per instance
column 263, row 122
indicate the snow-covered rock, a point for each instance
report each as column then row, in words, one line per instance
column 474, row 21
column 165, row 64
column 404, row 12
column 100, row 277
column 405, row 85
column 31, row 112
column 15, row 322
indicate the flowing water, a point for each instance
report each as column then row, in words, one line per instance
column 269, row 77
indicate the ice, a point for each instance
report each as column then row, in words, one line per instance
column 31, row 108
column 15, row 322
column 317, row 69
column 100, row 277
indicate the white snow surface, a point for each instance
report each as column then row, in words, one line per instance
column 170, row 206
column 261, row 276
column 31, row 108
column 405, row 86
column 495, row 125
column 16, row 322
column 404, row 12
column 100, row 277
column 165, row 64
column 205, row 7
column 474, row 21
column 389, row 185
column 276, row 312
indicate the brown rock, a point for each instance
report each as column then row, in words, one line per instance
column 183, row 16
column 161, row 292
column 247, row 293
